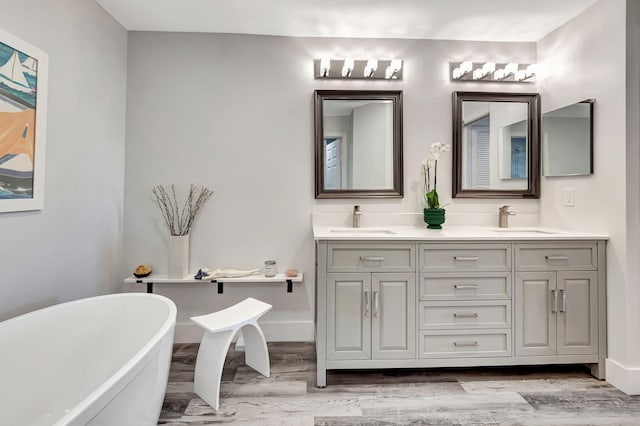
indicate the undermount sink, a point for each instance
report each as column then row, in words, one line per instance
column 361, row 231
column 524, row 230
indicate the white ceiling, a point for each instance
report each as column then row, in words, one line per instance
column 490, row 20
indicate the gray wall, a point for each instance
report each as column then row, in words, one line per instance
column 235, row 112
column 73, row 247
column 585, row 58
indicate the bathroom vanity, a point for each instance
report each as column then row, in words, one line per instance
column 408, row 297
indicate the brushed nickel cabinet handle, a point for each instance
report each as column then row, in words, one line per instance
column 466, row 315
column 469, row 258
column 366, row 303
column 376, row 303
column 554, row 301
column 557, row 257
column 464, row 286
column 372, row 258
column 465, row 343
column 563, row 300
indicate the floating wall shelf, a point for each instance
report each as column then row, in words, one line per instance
column 164, row 279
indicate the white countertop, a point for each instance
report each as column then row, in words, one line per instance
column 452, row 233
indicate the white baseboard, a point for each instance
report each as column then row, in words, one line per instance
column 275, row 331
column 624, row 378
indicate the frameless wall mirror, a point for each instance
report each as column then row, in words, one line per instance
column 358, row 144
column 567, row 140
column 496, row 145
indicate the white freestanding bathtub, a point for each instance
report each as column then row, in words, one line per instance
column 99, row 361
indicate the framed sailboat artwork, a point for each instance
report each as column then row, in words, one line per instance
column 23, row 116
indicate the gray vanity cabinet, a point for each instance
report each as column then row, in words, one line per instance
column 465, row 300
column 424, row 304
column 558, row 304
column 371, row 293
column 348, row 316
column 370, row 316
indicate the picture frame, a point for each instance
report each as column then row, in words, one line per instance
column 24, row 73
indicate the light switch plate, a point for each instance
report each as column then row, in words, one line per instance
column 569, row 197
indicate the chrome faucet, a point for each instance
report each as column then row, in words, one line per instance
column 356, row 216
column 503, row 216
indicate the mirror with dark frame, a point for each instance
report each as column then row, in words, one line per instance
column 358, row 144
column 567, row 140
column 496, row 145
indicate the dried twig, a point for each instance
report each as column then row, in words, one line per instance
column 179, row 221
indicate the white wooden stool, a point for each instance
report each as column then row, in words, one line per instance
column 220, row 329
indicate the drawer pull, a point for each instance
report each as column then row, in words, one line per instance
column 465, row 344
column 557, row 257
column 372, row 258
column 466, row 315
column 467, row 258
column 464, row 286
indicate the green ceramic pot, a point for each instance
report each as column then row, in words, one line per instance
column 434, row 218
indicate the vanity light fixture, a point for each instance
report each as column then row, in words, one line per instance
column 368, row 69
column 511, row 72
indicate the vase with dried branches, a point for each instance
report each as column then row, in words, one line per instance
column 179, row 219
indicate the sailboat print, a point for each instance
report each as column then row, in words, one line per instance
column 17, row 144
column 12, row 75
column 30, row 66
column 23, row 83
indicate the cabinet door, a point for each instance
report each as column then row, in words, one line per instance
column 535, row 316
column 393, row 316
column 577, row 313
column 349, row 316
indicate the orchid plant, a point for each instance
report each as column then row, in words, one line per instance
column 430, row 171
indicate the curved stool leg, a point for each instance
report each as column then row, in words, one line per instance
column 209, row 363
column 256, row 354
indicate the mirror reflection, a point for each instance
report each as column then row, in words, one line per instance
column 495, row 145
column 358, row 144
column 567, row 138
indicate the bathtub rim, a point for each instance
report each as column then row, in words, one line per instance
column 83, row 411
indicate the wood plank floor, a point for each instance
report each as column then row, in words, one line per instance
column 545, row 395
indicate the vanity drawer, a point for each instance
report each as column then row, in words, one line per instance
column 465, row 343
column 545, row 257
column 465, row 285
column 465, row 257
column 465, row 314
column 371, row 257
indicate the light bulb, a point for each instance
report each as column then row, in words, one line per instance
column 370, row 68
column 488, row 68
column 511, row 68
column 347, row 68
column 325, row 66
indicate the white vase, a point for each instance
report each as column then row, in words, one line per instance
column 178, row 256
